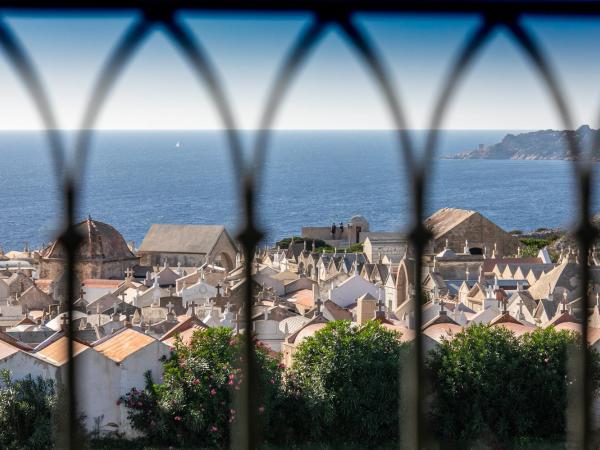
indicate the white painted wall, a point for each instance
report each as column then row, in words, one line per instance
column 21, row 364
column 198, row 292
column 346, row 293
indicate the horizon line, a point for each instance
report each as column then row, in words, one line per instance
column 258, row 129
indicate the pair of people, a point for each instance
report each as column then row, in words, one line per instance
column 334, row 228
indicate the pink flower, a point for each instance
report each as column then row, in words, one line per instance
column 213, row 391
column 230, row 383
column 213, row 429
column 261, row 409
column 272, row 381
column 196, row 381
column 231, row 376
column 119, row 402
column 177, row 418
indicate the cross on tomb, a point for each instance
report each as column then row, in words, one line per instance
column 564, row 302
column 129, row 272
column 169, row 307
column 520, row 305
column 81, row 292
column 318, row 304
column 123, row 296
column 219, row 287
column 193, row 308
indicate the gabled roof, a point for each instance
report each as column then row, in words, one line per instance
column 547, row 306
column 7, row 350
column 103, row 303
column 101, row 283
column 525, row 297
column 120, row 345
column 25, row 321
column 7, row 338
column 564, row 317
column 440, row 331
column 489, row 263
column 335, row 311
column 55, row 348
column 308, row 329
column 445, row 219
column 505, row 318
column 441, row 318
column 186, row 324
column 566, row 275
column 176, row 238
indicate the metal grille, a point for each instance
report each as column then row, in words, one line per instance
column 162, row 15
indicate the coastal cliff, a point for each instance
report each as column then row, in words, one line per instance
column 543, row 144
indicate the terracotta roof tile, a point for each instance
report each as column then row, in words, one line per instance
column 56, row 351
column 123, row 343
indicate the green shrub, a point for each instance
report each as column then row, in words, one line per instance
column 285, row 243
column 344, row 380
column 194, row 405
column 490, row 386
column 26, row 413
column 532, row 246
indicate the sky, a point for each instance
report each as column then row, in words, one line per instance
column 333, row 90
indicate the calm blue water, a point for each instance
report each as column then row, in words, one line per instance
column 135, row 179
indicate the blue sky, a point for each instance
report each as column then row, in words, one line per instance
column 333, row 91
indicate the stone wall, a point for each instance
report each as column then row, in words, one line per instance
column 223, row 253
column 481, row 233
column 99, row 269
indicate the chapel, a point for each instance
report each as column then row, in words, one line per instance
column 103, row 253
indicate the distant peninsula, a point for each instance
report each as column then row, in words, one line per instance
column 535, row 145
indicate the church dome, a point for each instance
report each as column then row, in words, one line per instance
column 100, row 241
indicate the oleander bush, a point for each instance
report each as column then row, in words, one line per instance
column 194, row 405
column 486, row 389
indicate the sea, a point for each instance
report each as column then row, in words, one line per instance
column 311, row 178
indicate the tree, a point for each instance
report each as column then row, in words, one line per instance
column 194, row 405
column 346, row 379
column 26, row 412
column 489, row 385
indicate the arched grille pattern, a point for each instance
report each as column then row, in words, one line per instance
column 162, row 16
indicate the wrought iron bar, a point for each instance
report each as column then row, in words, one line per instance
column 326, row 12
